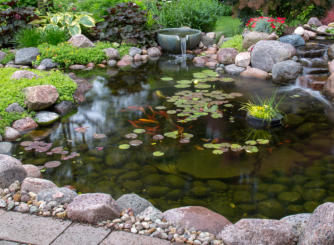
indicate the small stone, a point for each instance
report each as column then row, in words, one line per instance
column 77, row 67
column 61, row 215
column 15, row 107
column 112, row 63
column 45, row 118
column 23, row 208
column 10, row 205
column 3, row 203
column 134, row 230
column 14, row 187
column 33, row 209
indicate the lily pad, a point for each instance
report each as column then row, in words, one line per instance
column 171, row 112
column 251, row 142
column 158, row 137
column 182, row 86
column 131, row 136
column 161, row 107
column 184, row 141
column 251, row 149
column 262, row 141
column 166, row 79
column 139, row 131
column 217, row 152
column 124, row 146
column 228, row 105
column 236, row 147
column 135, row 142
column 52, row 164
column 173, row 134
column 158, row 153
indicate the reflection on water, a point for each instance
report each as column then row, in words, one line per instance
column 293, row 174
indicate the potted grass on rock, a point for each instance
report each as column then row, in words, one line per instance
column 263, row 113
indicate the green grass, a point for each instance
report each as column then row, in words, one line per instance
column 228, row 26
column 11, row 91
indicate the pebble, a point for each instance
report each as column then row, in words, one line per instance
column 10, row 205
column 3, row 203
column 134, row 230
column 33, row 209
column 23, row 208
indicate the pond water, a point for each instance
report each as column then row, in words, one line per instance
column 293, row 173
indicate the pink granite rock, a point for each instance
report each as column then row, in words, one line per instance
column 10, row 170
column 40, row 97
column 24, row 124
column 36, row 185
column 255, row 73
column 32, row 171
column 227, row 56
column 81, row 41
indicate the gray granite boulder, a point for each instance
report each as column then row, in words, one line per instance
column 234, row 70
column 45, row 118
column 319, row 230
column 60, row 195
column 153, row 52
column 2, row 55
column 81, row 41
column 133, row 201
column 134, row 50
column 266, row 53
column 295, row 40
column 6, row 148
column 196, row 217
column 15, row 107
column 10, row 170
column 112, row 53
column 93, row 208
column 49, row 64
column 252, row 38
column 258, row 231
column 152, row 213
column 23, row 74
column 26, row 56
column 36, row 185
column 286, row 70
column 40, row 97
column 314, row 21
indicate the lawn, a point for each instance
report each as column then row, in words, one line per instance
column 228, row 26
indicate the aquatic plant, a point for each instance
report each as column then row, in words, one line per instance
column 266, row 109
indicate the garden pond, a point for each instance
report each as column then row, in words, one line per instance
column 190, row 144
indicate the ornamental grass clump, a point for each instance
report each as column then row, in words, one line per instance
column 267, row 24
column 266, row 109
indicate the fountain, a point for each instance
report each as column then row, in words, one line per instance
column 178, row 40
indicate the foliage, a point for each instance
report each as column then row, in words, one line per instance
column 267, row 24
column 65, row 54
column 234, row 42
column 228, row 26
column 71, row 22
column 301, row 15
column 97, row 7
column 198, row 14
column 9, row 56
column 11, row 91
column 12, row 20
column 266, row 109
column 287, row 9
column 126, row 21
column 35, row 37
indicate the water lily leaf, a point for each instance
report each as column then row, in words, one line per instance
column 166, row 79
column 173, row 134
column 226, row 79
column 251, row 149
column 139, row 131
column 236, row 147
column 217, row 152
column 52, row 164
column 68, row 157
column 161, row 107
column 184, row 82
column 26, row 143
column 262, row 141
column 250, row 142
column 158, row 137
column 124, row 146
column 209, row 146
column 135, row 142
column 216, row 115
column 200, row 75
column 201, row 85
column 236, row 94
column 158, row 153
column 131, row 136
column 171, row 112
column 188, row 136
column 228, row 105
column 182, row 86
column 81, row 129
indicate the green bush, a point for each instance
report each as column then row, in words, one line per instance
column 11, row 91
column 198, row 14
column 35, row 37
column 9, row 56
column 234, row 42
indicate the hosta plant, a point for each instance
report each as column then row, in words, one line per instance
column 71, row 22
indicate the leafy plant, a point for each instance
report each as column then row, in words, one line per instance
column 234, row 42
column 12, row 19
column 9, row 56
column 12, row 91
column 35, row 37
column 126, row 22
column 266, row 109
column 65, row 54
column 71, row 22
column 267, row 24
column 199, row 14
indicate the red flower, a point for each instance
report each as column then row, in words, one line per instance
column 253, row 25
column 273, row 26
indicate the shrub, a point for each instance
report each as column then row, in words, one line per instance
column 234, row 42
column 65, row 54
column 126, row 21
column 9, row 56
column 12, row 20
column 267, row 24
column 198, row 14
column 97, row 7
column 11, row 91
column 35, row 37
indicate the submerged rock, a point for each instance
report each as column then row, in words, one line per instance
column 271, row 208
column 45, row 118
column 289, row 197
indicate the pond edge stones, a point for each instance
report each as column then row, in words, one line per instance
column 11, row 169
column 133, row 201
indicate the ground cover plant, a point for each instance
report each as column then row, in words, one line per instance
column 11, row 91
column 234, row 42
column 9, row 56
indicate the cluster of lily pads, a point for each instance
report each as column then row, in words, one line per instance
column 249, row 147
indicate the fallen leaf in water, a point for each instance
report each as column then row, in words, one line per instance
column 81, row 129
column 99, row 136
column 99, row 148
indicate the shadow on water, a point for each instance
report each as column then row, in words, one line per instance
column 293, row 174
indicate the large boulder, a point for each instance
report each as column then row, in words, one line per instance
column 233, row 69
column 266, row 53
column 60, row 195
column 286, row 70
column 81, row 41
column 314, row 21
column 36, row 185
column 26, row 56
column 258, row 231
column 298, row 221
column 134, row 50
column 196, row 217
column 295, row 40
column 32, row 171
column 10, row 170
column 40, row 97
column 133, row 201
column 227, row 56
column 24, row 124
column 255, row 73
column 93, row 208
column 152, row 213
column 112, row 53
column 6, row 148
column 153, row 52
column 23, row 74
column 253, row 37
column 320, row 226
column 125, row 61
column 243, row 59
column 11, row 134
